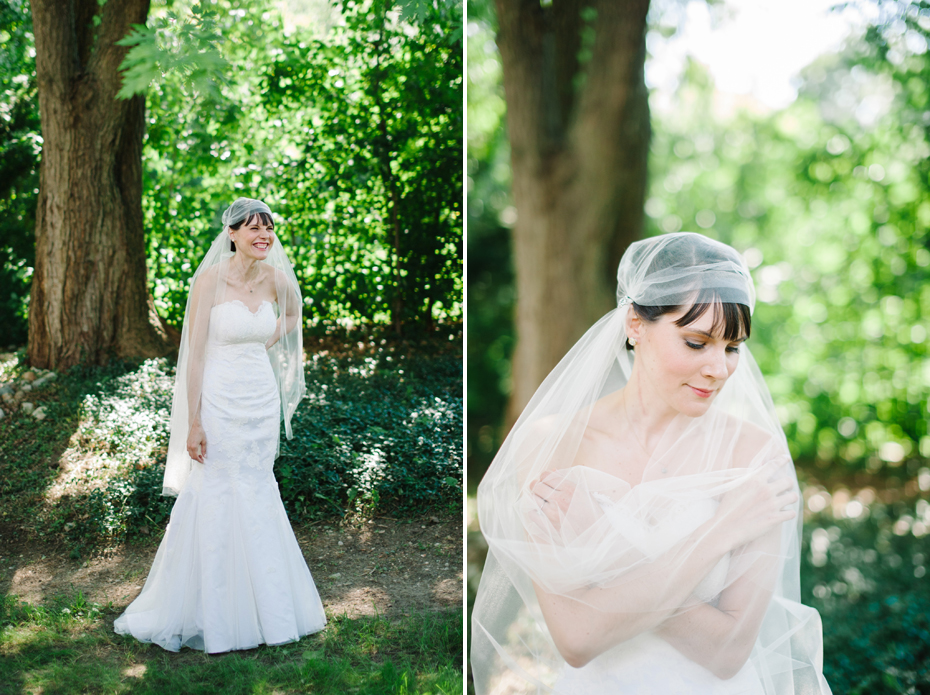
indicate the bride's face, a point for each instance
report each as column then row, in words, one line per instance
column 684, row 366
column 254, row 238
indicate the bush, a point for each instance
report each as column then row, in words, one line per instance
column 865, row 576
column 382, row 432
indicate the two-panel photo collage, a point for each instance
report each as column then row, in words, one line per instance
column 444, row 347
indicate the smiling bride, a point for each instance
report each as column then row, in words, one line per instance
column 229, row 573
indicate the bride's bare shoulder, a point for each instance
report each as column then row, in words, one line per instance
column 750, row 440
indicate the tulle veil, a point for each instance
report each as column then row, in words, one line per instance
column 633, row 541
column 208, row 288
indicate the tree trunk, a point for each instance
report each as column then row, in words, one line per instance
column 89, row 294
column 579, row 136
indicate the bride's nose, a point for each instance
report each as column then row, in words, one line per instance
column 716, row 365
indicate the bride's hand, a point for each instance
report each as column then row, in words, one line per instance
column 553, row 493
column 756, row 506
column 197, row 442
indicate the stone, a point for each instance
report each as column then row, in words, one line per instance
column 39, row 413
column 2, row 414
column 29, row 376
column 27, row 407
column 25, row 388
column 7, row 397
column 6, row 388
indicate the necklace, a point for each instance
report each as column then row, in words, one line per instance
column 247, row 283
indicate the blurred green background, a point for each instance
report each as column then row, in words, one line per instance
column 828, row 198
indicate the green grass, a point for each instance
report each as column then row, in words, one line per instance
column 69, row 647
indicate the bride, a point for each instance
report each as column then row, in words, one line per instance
column 229, row 573
column 642, row 516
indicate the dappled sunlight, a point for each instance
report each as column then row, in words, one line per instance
column 135, row 671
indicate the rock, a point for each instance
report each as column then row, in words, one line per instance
column 29, row 376
column 25, row 388
column 39, row 413
column 335, row 576
column 6, row 388
column 2, row 414
column 41, row 381
column 27, row 407
column 7, row 397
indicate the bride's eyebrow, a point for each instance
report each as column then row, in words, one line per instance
column 711, row 336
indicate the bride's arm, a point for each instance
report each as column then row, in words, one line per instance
column 721, row 638
column 292, row 308
column 201, row 302
column 652, row 593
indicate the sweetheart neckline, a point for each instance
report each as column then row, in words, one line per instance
column 244, row 305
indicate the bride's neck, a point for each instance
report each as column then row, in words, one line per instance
column 245, row 265
column 646, row 412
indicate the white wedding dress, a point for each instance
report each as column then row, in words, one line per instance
column 229, row 573
column 647, row 664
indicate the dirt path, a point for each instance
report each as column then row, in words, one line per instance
column 381, row 566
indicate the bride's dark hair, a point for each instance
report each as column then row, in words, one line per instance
column 263, row 217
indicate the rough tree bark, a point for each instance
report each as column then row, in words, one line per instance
column 89, row 293
column 579, row 156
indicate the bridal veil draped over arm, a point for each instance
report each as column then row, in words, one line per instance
column 632, row 570
column 209, row 288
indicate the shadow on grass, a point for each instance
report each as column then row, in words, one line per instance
column 49, row 650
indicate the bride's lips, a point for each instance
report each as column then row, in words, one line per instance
column 701, row 393
column 261, row 245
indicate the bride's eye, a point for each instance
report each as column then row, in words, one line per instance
column 733, row 349
column 694, row 346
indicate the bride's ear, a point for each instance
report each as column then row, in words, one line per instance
column 634, row 326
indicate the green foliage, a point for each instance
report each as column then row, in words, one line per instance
column 175, row 44
column 353, row 138
column 866, row 580
column 19, row 166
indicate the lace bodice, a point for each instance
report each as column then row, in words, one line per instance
column 232, row 323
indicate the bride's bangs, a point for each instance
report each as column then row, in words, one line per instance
column 263, row 217
column 730, row 319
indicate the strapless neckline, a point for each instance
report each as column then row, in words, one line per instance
column 244, row 305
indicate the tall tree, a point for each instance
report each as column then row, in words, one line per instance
column 89, row 295
column 578, row 120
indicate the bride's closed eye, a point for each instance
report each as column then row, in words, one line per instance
column 734, row 349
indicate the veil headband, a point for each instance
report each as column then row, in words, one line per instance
column 621, row 552
column 210, row 287
column 668, row 270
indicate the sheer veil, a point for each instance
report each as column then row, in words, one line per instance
column 623, row 550
column 209, row 287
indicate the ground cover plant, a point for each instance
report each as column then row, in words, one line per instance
column 379, row 433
